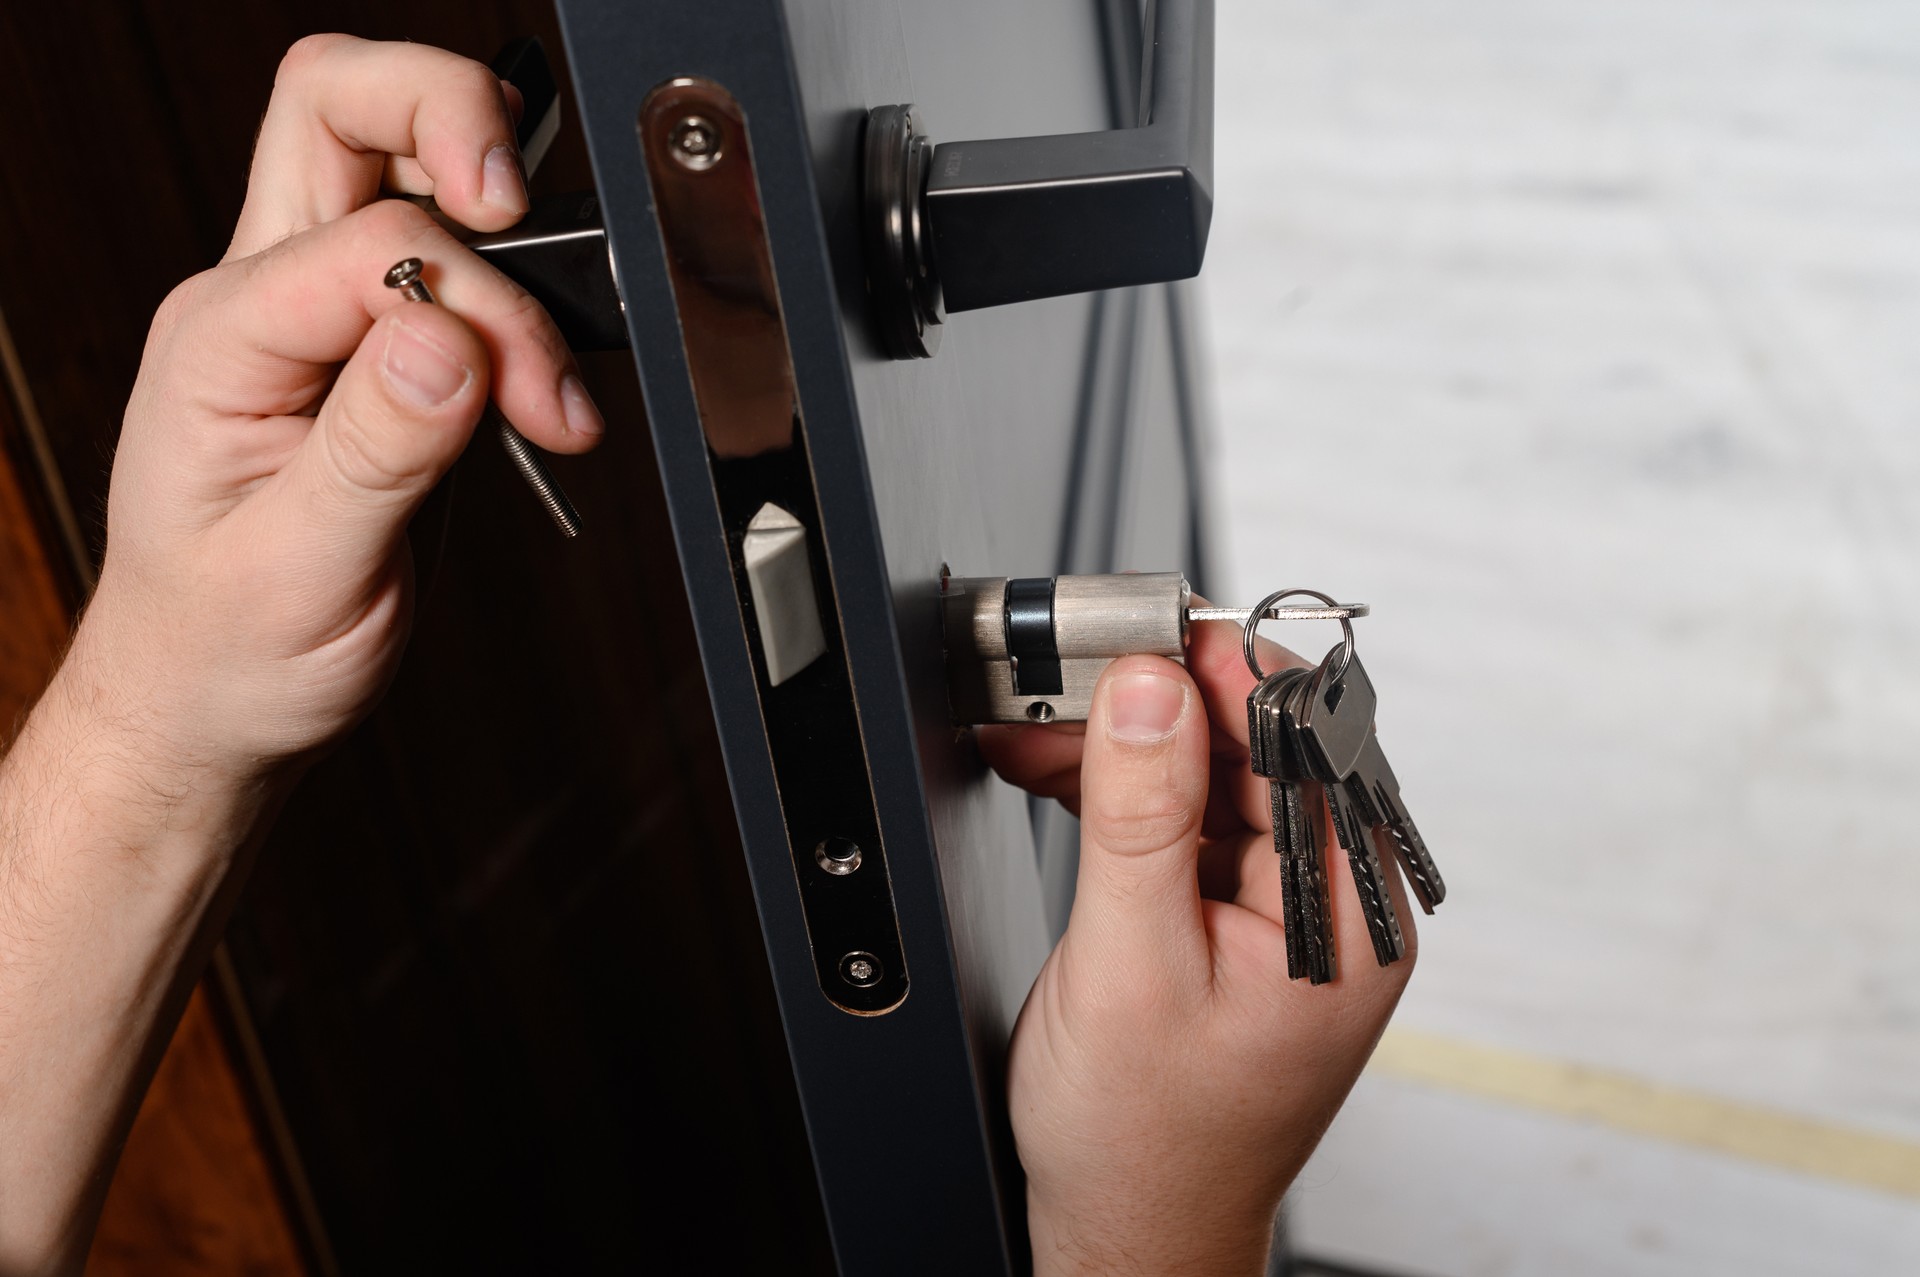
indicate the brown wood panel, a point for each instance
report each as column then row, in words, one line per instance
column 35, row 610
column 194, row 1192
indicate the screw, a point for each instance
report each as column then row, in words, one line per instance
column 838, row 856
column 405, row 277
column 861, row 970
column 696, row 143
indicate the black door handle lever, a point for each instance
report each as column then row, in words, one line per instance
column 964, row 225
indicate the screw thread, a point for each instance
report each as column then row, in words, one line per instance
column 534, row 471
column 405, row 278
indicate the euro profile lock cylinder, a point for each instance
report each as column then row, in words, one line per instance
column 1030, row 649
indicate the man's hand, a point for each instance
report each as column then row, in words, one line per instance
column 255, row 594
column 1167, row 1079
column 290, row 415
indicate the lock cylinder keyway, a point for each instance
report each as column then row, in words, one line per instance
column 1030, row 649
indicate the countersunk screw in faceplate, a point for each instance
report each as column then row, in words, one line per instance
column 695, row 142
column 862, row 970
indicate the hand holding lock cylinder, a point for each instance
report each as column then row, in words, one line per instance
column 1030, row 649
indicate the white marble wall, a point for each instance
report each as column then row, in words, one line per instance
column 1582, row 339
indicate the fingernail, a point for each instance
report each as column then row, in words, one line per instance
column 1143, row 706
column 422, row 371
column 501, row 183
column 582, row 417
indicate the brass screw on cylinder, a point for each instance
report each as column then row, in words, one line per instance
column 405, row 276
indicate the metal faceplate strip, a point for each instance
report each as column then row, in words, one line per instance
column 910, row 1147
column 700, row 169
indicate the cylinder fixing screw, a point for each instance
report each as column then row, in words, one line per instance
column 405, row 278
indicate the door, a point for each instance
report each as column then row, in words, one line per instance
column 734, row 152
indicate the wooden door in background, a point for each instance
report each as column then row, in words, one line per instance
column 499, row 962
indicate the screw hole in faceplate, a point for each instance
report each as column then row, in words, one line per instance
column 838, row 856
column 1040, row 712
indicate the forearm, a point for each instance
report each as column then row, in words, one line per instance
column 113, row 854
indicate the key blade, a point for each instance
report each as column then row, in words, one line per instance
column 1369, row 879
column 1310, row 872
column 1377, row 791
column 1284, row 799
column 1424, row 876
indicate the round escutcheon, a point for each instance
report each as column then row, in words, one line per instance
column 900, row 275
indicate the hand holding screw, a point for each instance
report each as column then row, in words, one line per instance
column 405, row 276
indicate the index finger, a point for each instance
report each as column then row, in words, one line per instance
column 268, row 329
column 341, row 106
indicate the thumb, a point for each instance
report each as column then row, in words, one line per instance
column 1143, row 781
column 395, row 421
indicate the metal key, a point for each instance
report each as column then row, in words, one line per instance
column 1283, row 795
column 1310, row 856
column 1295, row 834
column 1377, row 792
column 1308, row 910
column 1337, row 724
column 1336, row 718
column 1369, row 876
column 1330, row 717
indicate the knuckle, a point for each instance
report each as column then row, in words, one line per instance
column 385, row 222
column 179, row 303
column 301, row 56
column 182, row 304
column 474, row 80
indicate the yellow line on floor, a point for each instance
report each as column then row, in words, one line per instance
column 1647, row 1108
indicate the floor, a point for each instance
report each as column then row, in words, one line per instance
column 1579, row 337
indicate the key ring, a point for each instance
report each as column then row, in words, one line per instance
column 1253, row 624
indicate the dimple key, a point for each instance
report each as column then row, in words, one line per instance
column 1283, row 791
column 1297, row 833
column 1369, row 876
column 1337, row 714
column 1375, row 788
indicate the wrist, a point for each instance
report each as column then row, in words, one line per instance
column 140, row 681
column 1070, row 1241
column 103, row 761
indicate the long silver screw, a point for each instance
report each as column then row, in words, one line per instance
column 405, row 276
